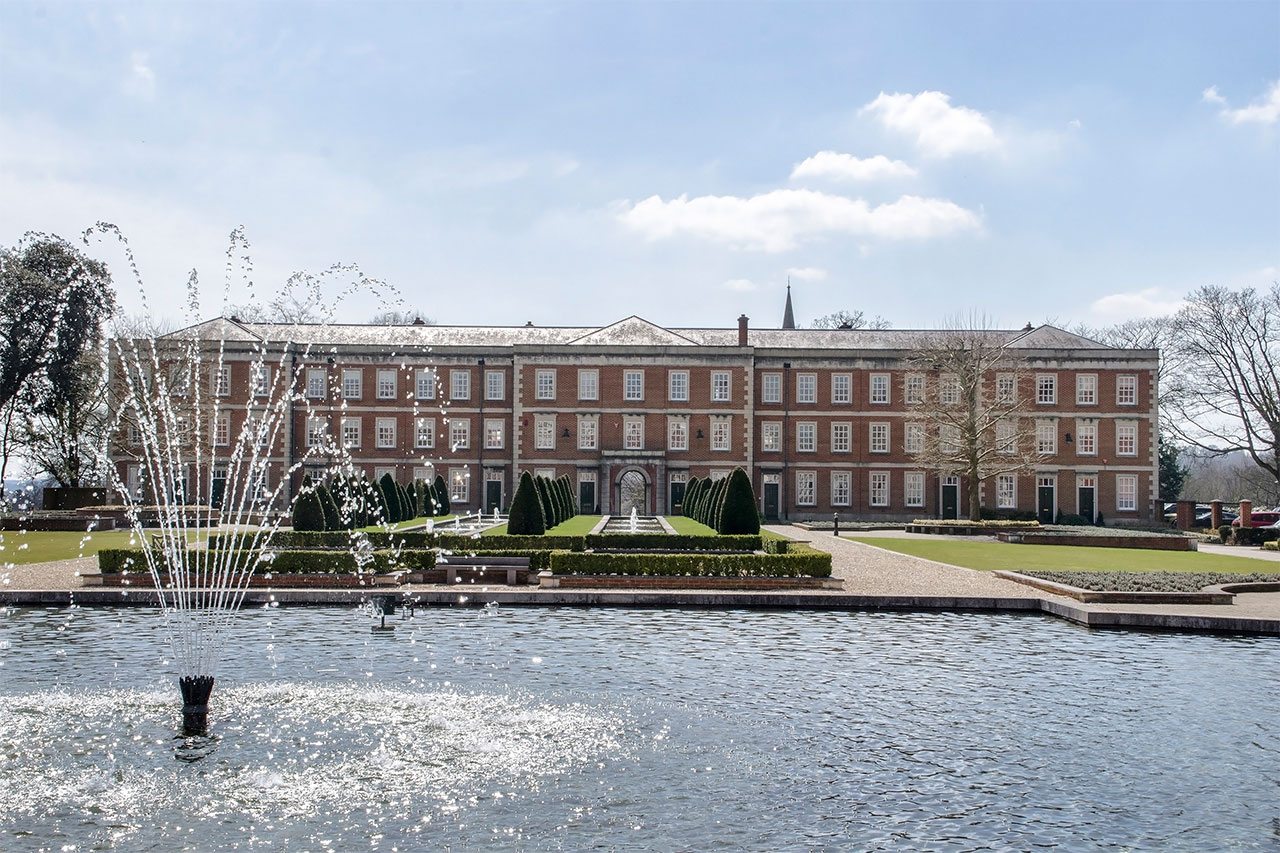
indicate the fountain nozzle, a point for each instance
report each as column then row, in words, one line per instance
column 195, row 703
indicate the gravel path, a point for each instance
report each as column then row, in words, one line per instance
column 58, row 574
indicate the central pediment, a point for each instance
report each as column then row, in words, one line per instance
column 634, row 331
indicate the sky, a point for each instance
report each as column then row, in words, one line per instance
column 575, row 163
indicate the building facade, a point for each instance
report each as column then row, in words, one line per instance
column 631, row 411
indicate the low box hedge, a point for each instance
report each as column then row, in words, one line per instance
column 672, row 542
column 802, row 561
column 538, row 560
column 320, row 540
column 287, row 562
column 994, row 524
column 508, row 542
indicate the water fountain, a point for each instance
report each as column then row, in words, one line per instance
column 633, row 519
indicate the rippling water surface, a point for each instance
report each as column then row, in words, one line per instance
column 565, row 729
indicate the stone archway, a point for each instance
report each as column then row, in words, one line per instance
column 633, row 492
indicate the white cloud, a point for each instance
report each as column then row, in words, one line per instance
column 940, row 130
column 741, row 285
column 1263, row 110
column 780, row 220
column 1211, row 96
column 807, row 273
column 1150, row 302
column 846, row 167
column 1075, row 124
column 141, row 82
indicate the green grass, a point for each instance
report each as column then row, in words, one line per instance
column 44, row 546
column 421, row 521
column 579, row 525
column 686, row 526
column 990, row 556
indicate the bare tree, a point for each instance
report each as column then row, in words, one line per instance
column 968, row 394
column 1157, row 333
column 849, row 320
column 398, row 317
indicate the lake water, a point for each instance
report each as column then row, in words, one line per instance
column 658, row 729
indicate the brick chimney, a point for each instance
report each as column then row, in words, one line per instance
column 742, row 330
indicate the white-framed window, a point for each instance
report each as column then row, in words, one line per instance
column 771, row 388
column 1086, row 389
column 495, row 385
column 460, row 433
column 949, row 389
column 721, row 432
column 913, row 389
column 949, row 438
column 386, row 384
column 633, row 385
column 544, row 432
column 879, row 491
column 719, row 474
column 719, row 386
column 425, row 384
column 316, row 380
column 633, row 432
column 459, row 485
column 352, row 383
column 840, row 488
column 424, row 433
column 770, row 437
column 806, row 488
column 1126, row 390
column 495, row 433
column 1126, row 438
column 1006, row 437
column 260, row 380
column 841, row 388
column 806, row 437
column 588, row 432
column 1086, row 438
column 545, row 473
column 133, row 435
column 545, row 384
column 678, row 385
column 222, row 380
column 1046, row 389
column 806, row 387
column 880, row 388
column 1126, row 492
column 841, row 437
column 221, row 431
column 913, row 488
column 879, row 442
column 385, row 432
column 677, row 432
column 1006, row 388
column 589, row 384
column 316, row 429
column 913, row 438
column 351, row 432
column 1046, row 437
column 1006, row 491
column 425, row 473
column 459, row 384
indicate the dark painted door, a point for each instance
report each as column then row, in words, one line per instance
column 587, row 498
column 950, row 500
column 1084, row 496
column 1044, row 504
column 677, row 496
column 493, row 495
column 771, row 501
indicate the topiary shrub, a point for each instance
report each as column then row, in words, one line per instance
column 441, row 488
column 690, row 492
column 391, row 498
column 332, row 520
column 738, row 513
column 308, row 514
column 526, row 516
column 566, row 490
column 544, row 496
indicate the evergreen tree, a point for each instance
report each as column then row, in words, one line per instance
column 332, row 520
column 308, row 514
column 432, row 502
column 566, row 489
column 390, row 498
column 442, row 496
column 544, row 496
column 738, row 514
column 375, row 503
column 526, row 517
column 690, row 495
column 406, row 503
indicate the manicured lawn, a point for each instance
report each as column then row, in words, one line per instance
column 579, row 525
column 405, row 525
column 43, row 546
column 989, row 556
column 686, row 526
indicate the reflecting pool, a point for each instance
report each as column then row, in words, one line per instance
column 661, row 729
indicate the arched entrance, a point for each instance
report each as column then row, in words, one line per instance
column 633, row 492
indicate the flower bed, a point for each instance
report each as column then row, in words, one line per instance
column 1095, row 537
column 56, row 520
column 1151, row 581
column 963, row 527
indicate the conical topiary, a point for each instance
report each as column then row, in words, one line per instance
column 526, row 517
column 308, row 514
column 442, row 496
column 332, row 521
column 544, row 496
column 690, row 495
column 390, row 498
column 738, row 514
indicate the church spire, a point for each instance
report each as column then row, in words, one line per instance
column 788, row 316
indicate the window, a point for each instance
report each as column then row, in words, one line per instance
column 544, row 432
column 633, row 432
column 460, row 433
column 1006, row 491
column 841, row 437
column 315, row 383
column 425, row 384
column 495, row 382
column 316, row 429
column 545, row 473
column 424, row 432
column 841, row 388
column 459, row 384
column 221, row 431
column 260, row 380
column 459, row 485
column 589, row 384
column 719, row 386
column 949, row 438
column 1046, row 437
column 879, row 488
column 633, row 384
column 806, row 387
column 1046, row 389
column 1126, row 492
column 880, row 388
column 386, row 384
column 495, row 434
column 840, row 489
column 678, row 385
column 949, row 389
column 588, row 432
column 1126, row 438
column 1126, row 390
column 1006, row 388
column 913, row 488
column 721, row 432
column 1006, row 437
column 1086, row 438
column 770, row 437
column 222, row 380
column 351, row 432
column 351, row 384
column 879, row 438
column 426, row 473
column 1086, row 389
column 806, row 437
column 913, row 389
column 677, row 433
column 913, row 438
column 386, row 432
column 806, row 488
column 133, row 435
column 545, row 385
column 771, row 388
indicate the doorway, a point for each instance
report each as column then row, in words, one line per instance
column 586, row 497
column 950, row 497
column 1046, row 487
column 677, row 496
column 633, row 493
column 492, row 495
column 772, row 496
column 1086, row 497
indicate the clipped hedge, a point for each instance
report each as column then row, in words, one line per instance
column 113, row 561
column 994, row 524
column 511, row 542
column 538, row 560
column 285, row 540
column 677, row 542
column 802, row 561
column 292, row 562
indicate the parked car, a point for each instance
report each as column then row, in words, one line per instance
column 1204, row 519
column 1260, row 518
